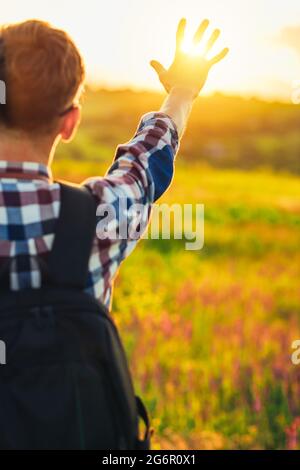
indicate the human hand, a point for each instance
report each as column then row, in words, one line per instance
column 187, row 70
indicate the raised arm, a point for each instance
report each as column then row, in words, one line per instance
column 143, row 168
column 187, row 75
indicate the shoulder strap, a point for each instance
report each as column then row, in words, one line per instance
column 145, row 443
column 68, row 260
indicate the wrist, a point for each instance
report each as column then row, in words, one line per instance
column 185, row 92
column 178, row 106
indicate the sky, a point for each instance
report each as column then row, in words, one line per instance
column 118, row 38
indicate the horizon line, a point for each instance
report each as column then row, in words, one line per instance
column 96, row 87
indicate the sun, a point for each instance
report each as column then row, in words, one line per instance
column 190, row 48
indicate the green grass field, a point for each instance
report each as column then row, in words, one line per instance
column 208, row 333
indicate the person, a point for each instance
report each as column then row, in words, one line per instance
column 44, row 75
column 56, row 267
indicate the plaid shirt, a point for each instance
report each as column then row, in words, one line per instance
column 141, row 171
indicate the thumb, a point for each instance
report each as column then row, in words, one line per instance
column 159, row 69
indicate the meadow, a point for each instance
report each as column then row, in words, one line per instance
column 208, row 333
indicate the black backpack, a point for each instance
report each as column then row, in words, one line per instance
column 66, row 382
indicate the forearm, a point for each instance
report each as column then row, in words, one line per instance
column 178, row 106
column 143, row 168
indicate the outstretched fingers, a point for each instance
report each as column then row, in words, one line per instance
column 180, row 33
column 200, row 31
column 159, row 69
column 219, row 57
column 212, row 40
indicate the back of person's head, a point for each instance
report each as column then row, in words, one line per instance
column 43, row 73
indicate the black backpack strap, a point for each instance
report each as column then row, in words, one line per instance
column 145, row 443
column 67, row 264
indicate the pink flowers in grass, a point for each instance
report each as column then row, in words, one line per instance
column 293, row 435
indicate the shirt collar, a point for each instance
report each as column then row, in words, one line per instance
column 29, row 168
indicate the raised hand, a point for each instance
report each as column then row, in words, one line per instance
column 187, row 70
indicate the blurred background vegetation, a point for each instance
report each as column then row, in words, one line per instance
column 209, row 333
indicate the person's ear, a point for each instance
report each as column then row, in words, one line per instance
column 70, row 123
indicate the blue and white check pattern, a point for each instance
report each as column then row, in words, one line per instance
column 141, row 171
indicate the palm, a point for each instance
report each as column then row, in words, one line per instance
column 195, row 72
column 187, row 70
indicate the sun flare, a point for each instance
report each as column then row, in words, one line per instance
column 260, row 62
column 190, row 48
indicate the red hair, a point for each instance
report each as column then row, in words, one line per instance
column 43, row 72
